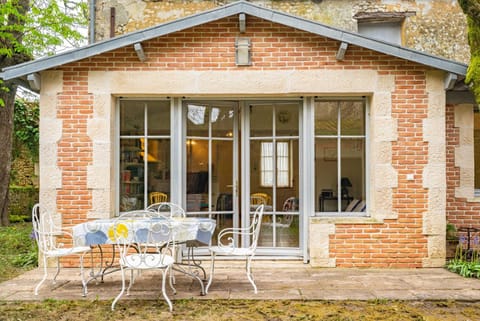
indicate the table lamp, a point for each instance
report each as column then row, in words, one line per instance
column 345, row 183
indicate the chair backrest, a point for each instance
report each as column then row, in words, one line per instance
column 290, row 204
column 137, row 214
column 143, row 237
column 157, row 197
column 43, row 229
column 167, row 209
column 256, row 225
column 260, row 198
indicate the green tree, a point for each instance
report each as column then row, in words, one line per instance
column 472, row 9
column 30, row 28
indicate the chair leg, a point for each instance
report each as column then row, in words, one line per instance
column 164, row 279
column 170, row 281
column 121, row 291
column 45, row 272
column 132, row 280
column 58, row 271
column 212, row 268
column 84, row 283
column 250, row 274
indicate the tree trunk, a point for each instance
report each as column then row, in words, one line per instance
column 8, row 97
column 6, row 132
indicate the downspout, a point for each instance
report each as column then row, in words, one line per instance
column 91, row 27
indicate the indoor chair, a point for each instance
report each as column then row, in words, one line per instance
column 260, row 198
column 228, row 239
column 46, row 233
column 157, row 197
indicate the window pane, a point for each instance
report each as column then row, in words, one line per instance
column 159, row 167
column 197, row 175
column 197, row 120
column 286, row 121
column 326, row 174
column 261, row 117
column 132, row 117
column 352, row 118
column 261, row 169
column 326, row 118
column 283, row 164
column 222, row 121
column 353, row 173
column 131, row 175
column 222, row 176
column 158, row 117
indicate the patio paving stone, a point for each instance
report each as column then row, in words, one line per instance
column 276, row 280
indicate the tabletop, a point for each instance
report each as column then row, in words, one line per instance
column 101, row 231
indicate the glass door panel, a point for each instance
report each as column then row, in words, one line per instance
column 274, row 172
column 210, row 163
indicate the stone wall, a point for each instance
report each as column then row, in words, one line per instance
column 437, row 27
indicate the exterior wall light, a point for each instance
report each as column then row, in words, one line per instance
column 242, row 52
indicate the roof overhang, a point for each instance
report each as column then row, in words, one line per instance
column 240, row 7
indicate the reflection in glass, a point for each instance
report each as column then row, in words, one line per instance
column 158, row 118
column 196, row 120
column 326, row 118
column 132, row 117
column 261, row 120
column 286, row 120
column 353, row 118
column 222, row 121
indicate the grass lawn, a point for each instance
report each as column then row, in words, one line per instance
column 18, row 252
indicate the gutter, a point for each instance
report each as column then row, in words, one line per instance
column 91, row 26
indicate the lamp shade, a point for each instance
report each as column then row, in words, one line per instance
column 345, row 182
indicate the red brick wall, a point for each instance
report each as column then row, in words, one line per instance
column 395, row 243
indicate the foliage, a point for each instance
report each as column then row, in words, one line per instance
column 25, row 125
column 30, row 28
column 48, row 26
column 466, row 263
column 19, row 252
column 472, row 9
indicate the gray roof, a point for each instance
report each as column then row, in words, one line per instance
column 226, row 11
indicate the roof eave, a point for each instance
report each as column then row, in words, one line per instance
column 226, row 11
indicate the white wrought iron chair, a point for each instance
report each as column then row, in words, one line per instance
column 227, row 245
column 144, row 244
column 46, row 233
column 167, row 209
column 172, row 210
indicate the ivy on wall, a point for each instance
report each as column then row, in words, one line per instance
column 25, row 127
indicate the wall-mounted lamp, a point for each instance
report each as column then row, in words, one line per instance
column 341, row 51
column 242, row 52
column 450, row 81
column 34, row 81
column 242, row 22
column 139, row 50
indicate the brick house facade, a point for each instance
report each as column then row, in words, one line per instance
column 412, row 178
